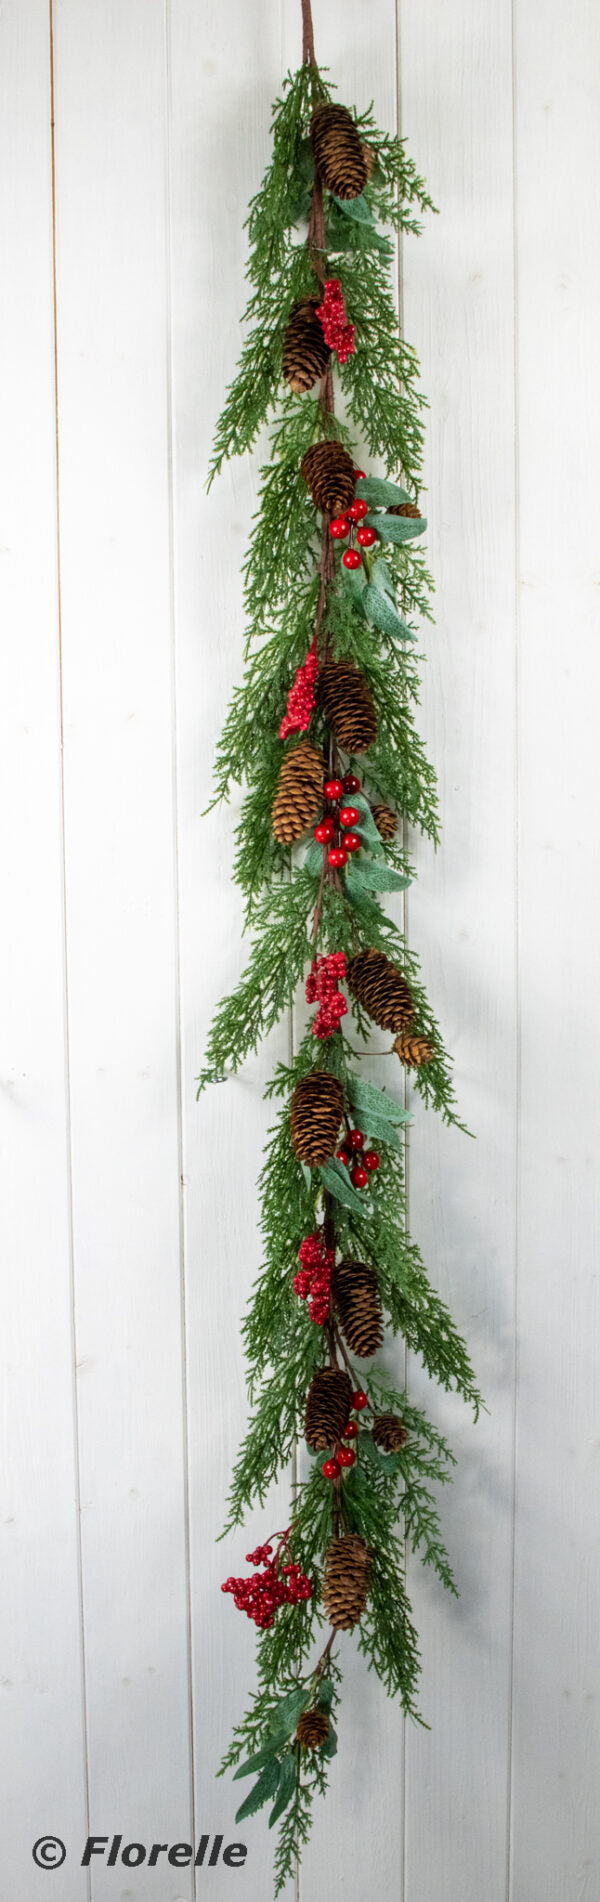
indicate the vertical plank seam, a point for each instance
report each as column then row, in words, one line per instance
column 71, row 1222
column 405, row 921
column 177, row 910
column 516, row 796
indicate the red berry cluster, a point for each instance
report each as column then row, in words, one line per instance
column 360, row 1161
column 264, row 1591
column 344, row 525
column 322, row 987
column 313, row 1282
column 301, row 697
column 336, row 827
column 345, row 1456
column 338, row 333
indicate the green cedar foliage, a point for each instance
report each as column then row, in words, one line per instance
column 294, row 908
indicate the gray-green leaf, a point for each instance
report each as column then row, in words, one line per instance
column 366, row 1096
column 331, row 1743
column 326, row 1694
column 382, row 612
column 266, row 1787
column 354, row 583
column 313, row 858
column 286, row 1713
column 340, row 1186
column 287, row 1785
column 356, row 208
column 381, row 493
column 375, row 878
column 367, row 828
column 262, row 1756
column 397, row 528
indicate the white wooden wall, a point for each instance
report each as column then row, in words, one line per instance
column 129, row 1213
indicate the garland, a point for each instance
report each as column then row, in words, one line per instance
column 322, row 732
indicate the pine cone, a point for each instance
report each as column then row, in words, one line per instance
column 386, row 822
column 328, row 472
column 347, row 703
column 346, row 1581
column 381, row 989
column 370, row 158
column 299, row 793
column 389, row 1432
column 328, row 1406
column 316, row 1113
column 338, row 151
column 413, row 1051
column 405, row 508
column 356, row 1298
column 313, row 1729
column 305, row 352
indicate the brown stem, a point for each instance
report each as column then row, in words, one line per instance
column 308, row 38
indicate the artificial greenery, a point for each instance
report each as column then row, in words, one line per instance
column 297, row 908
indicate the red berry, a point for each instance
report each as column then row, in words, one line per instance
column 351, row 783
column 325, row 831
column 333, row 788
column 349, row 816
column 359, row 475
column 339, row 528
column 351, row 1430
column 356, row 1139
column 331, row 1469
column 366, row 537
column 346, row 1456
column 343, row 1155
column 371, row 1159
column 352, row 842
column 360, row 1400
column 359, row 1177
column 352, row 559
column 358, row 509
column 337, row 856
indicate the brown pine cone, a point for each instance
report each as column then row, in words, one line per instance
column 299, row 793
column 328, row 472
column 313, row 1729
column 346, row 1581
column 305, row 352
column 389, row 1432
column 405, row 508
column 381, row 989
column 413, row 1051
column 328, row 1406
column 339, row 157
column 315, row 1113
column 370, row 158
column 358, row 1307
column 386, row 822
column 347, row 703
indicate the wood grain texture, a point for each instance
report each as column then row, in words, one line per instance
column 42, row 1734
column 555, row 1839
column 456, row 70
column 112, row 288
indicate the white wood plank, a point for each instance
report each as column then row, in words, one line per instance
column 456, row 114
column 43, row 1745
column 111, row 157
column 225, row 71
column 556, row 1739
